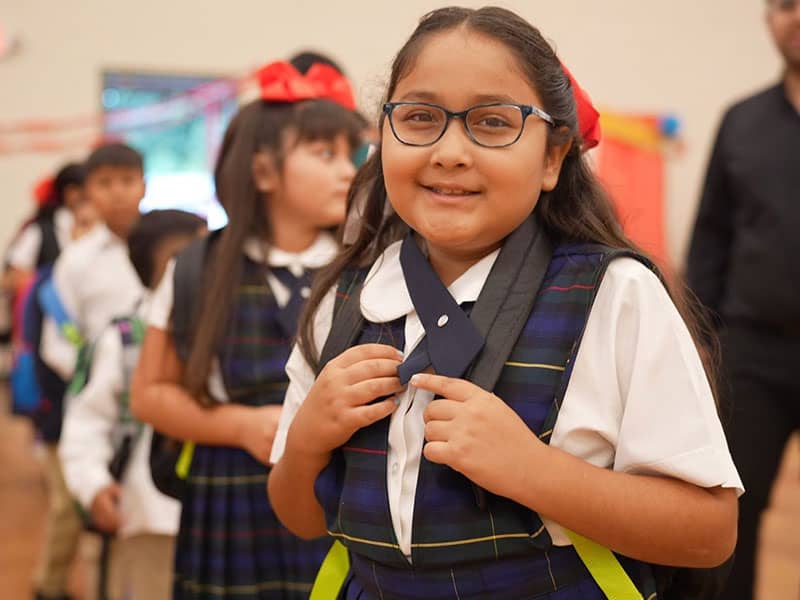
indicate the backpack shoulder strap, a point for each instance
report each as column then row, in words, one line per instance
column 52, row 306
column 49, row 248
column 131, row 334
column 508, row 297
column 347, row 321
column 188, row 279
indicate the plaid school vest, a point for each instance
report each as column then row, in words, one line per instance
column 254, row 351
column 452, row 526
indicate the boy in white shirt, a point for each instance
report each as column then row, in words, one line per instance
column 98, row 419
column 93, row 277
column 94, row 280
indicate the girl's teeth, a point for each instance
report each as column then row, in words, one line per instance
column 445, row 192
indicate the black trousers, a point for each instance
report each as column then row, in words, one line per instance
column 760, row 409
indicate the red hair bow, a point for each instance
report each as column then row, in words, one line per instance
column 281, row 82
column 44, row 191
column 588, row 116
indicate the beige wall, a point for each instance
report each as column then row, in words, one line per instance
column 690, row 57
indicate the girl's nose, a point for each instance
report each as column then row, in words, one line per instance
column 454, row 148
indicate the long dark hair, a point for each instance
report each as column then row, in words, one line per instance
column 578, row 209
column 257, row 127
column 71, row 174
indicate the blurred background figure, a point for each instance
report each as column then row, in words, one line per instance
column 92, row 282
column 104, row 450
column 743, row 265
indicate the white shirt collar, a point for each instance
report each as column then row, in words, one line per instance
column 385, row 296
column 317, row 255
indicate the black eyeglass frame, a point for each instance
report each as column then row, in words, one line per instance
column 525, row 109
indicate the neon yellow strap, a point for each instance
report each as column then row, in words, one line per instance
column 184, row 461
column 332, row 573
column 601, row 563
column 604, row 568
column 72, row 335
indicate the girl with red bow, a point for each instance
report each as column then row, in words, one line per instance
column 491, row 375
column 222, row 323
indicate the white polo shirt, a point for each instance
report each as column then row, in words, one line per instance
column 96, row 282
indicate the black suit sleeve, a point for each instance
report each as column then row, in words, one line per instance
column 711, row 243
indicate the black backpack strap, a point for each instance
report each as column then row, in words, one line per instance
column 347, row 321
column 507, row 299
column 49, row 248
column 188, row 280
column 500, row 313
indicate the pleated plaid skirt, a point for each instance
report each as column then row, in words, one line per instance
column 231, row 545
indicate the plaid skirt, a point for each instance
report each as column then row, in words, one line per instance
column 231, row 545
column 556, row 575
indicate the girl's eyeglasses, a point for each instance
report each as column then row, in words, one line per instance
column 488, row 125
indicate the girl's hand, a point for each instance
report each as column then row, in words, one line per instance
column 258, row 430
column 475, row 433
column 338, row 403
column 105, row 509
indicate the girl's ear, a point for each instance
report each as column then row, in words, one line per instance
column 265, row 173
column 553, row 159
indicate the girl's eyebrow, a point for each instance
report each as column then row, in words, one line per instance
column 433, row 98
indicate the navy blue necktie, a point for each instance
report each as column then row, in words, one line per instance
column 451, row 340
column 299, row 290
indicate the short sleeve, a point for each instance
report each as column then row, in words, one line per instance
column 301, row 375
column 160, row 311
column 25, row 250
column 639, row 399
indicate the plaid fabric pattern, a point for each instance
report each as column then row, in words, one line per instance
column 514, row 578
column 254, row 351
column 504, row 540
column 230, row 544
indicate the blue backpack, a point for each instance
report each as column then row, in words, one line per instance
column 37, row 390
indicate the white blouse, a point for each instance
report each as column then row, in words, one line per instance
column 638, row 400
column 25, row 248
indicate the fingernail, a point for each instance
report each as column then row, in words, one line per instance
column 397, row 400
column 414, row 379
column 400, row 355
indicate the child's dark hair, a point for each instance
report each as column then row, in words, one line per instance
column 71, row 174
column 114, row 154
column 303, row 61
column 151, row 230
column 578, row 209
column 258, row 127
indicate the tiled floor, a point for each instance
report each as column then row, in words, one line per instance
column 23, row 502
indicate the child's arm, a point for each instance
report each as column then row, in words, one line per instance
column 638, row 401
column 159, row 398
column 85, row 447
column 654, row 519
column 323, row 418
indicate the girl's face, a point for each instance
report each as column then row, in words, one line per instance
column 464, row 199
column 313, row 185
